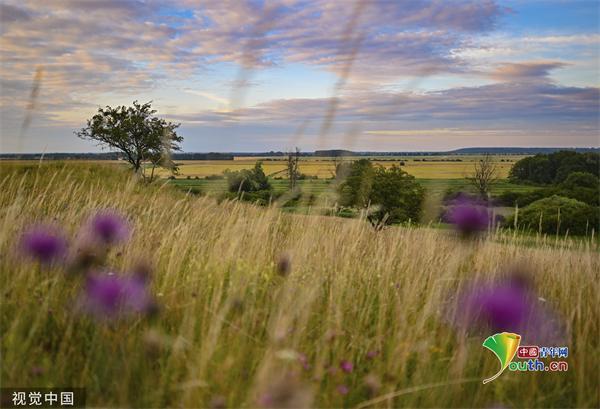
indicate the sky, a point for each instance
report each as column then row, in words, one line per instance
column 250, row 76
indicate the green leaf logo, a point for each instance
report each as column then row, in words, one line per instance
column 504, row 346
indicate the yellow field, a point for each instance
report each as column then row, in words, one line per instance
column 433, row 168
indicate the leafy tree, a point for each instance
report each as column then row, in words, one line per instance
column 581, row 179
column 248, row 180
column 355, row 190
column 557, row 214
column 136, row 132
column 555, row 167
column 396, row 195
column 582, row 186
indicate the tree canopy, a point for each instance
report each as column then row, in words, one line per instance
column 554, row 168
column 136, row 132
column 249, row 185
column 248, row 180
column 394, row 195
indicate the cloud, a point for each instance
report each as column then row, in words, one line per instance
column 93, row 48
column 97, row 51
column 507, row 101
column 393, row 39
column 527, row 71
column 11, row 14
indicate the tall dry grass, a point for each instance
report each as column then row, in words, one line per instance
column 232, row 331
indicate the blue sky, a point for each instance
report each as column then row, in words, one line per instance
column 261, row 75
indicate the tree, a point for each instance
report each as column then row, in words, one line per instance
column 485, row 174
column 250, row 185
column 357, row 182
column 292, row 168
column 248, row 180
column 398, row 195
column 555, row 167
column 136, row 132
column 394, row 194
column 582, row 186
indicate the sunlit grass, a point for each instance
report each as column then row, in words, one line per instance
column 231, row 327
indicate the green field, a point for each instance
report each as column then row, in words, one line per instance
column 324, row 191
column 318, row 186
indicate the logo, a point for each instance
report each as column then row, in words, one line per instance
column 504, row 346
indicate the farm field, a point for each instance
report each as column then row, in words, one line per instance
column 357, row 318
column 434, row 167
column 325, row 195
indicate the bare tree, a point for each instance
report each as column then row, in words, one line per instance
column 485, row 174
column 292, row 168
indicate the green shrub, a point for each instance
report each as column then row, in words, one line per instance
column 557, row 214
column 522, row 199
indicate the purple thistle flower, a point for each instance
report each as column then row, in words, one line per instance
column 109, row 296
column 44, row 244
column 503, row 307
column 372, row 354
column 346, row 366
column 469, row 216
column 109, row 227
column 506, row 306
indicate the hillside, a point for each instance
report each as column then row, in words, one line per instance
column 260, row 308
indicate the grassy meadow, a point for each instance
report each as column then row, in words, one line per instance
column 232, row 332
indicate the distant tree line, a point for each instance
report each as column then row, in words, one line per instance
column 110, row 156
column 203, row 156
column 318, row 153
